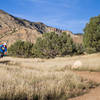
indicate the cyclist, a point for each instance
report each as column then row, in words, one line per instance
column 3, row 50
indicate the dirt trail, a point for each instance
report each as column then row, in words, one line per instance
column 93, row 94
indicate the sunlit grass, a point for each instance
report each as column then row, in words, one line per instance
column 44, row 79
column 29, row 84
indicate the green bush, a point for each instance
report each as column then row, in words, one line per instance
column 79, row 49
column 20, row 49
column 90, row 50
column 92, row 35
column 52, row 44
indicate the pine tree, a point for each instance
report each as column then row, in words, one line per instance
column 92, row 35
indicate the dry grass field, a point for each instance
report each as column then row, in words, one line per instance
column 45, row 79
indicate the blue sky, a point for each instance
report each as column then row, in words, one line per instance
column 64, row 14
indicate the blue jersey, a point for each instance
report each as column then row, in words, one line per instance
column 3, row 49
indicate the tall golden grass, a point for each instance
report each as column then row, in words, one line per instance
column 41, row 79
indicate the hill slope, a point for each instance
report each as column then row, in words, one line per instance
column 13, row 28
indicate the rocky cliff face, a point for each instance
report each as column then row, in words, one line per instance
column 13, row 29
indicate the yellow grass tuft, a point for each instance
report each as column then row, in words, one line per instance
column 28, row 79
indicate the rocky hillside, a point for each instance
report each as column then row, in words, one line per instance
column 13, row 28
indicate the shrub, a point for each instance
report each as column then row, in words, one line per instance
column 20, row 49
column 79, row 49
column 52, row 44
column 90, row 50
column 92, row 35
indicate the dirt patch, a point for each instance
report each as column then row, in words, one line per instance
column 93, row 94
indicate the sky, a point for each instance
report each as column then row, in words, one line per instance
column 69, row 15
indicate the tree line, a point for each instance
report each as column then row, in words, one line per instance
column 51, row 44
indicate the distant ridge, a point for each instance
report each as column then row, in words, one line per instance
column 13, row 29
